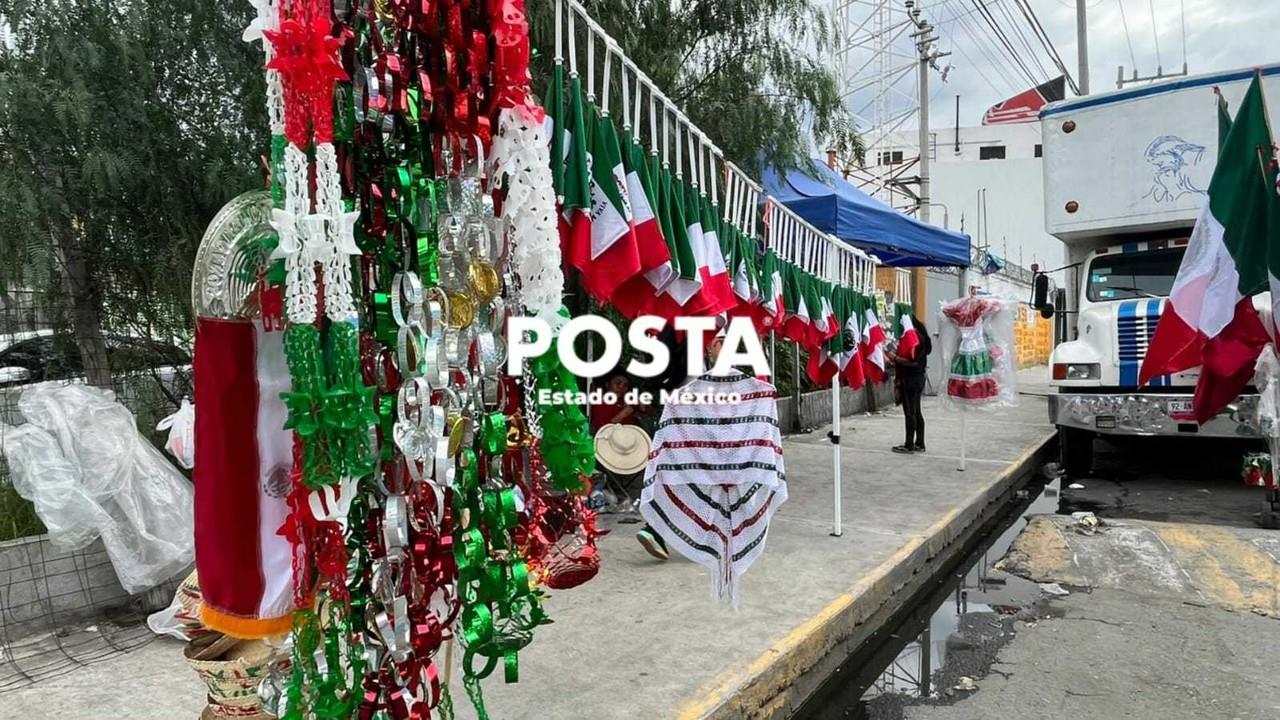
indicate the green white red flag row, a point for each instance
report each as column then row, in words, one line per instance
column 645, row 222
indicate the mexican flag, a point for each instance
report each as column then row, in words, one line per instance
column 556, row 115
column 608, row 256
column 828, row 324
column 679, row 297
column 1209, row 319
column 908, row 339
column 715, row 271
column 772, row 309
column 575, row 225
column 715, row 294
column 796, row 325
column 243, row 455
column 830, row 358
column 851, row 369
column 816, row 330
column 742, row 264
column 872, row 346
column 636, row 296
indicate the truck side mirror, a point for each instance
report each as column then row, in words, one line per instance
column 1040, row 295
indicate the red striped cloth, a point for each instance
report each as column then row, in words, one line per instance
column 716, row 476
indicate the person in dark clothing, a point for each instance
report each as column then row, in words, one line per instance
column 911, row 371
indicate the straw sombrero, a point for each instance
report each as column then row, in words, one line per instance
column 622, row 449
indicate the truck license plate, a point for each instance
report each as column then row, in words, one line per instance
column 1178, row 407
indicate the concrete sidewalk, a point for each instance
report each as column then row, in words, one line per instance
column 643, row 640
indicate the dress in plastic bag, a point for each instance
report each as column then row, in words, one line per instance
column 182, row 434
column 978, row 353
column 87, row 470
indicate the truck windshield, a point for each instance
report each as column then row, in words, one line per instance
column 1134, row 275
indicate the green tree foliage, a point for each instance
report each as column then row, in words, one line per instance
column 124, row 126
column 753, row 74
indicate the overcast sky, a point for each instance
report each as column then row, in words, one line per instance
column 1220, row 35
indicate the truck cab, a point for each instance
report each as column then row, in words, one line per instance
column 1126, row 173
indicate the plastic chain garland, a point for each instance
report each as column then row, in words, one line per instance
column 425, row 507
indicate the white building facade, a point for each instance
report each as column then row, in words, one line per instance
column 986, row 181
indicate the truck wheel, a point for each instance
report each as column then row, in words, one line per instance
column 1076, row 447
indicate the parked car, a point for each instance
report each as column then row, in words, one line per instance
column 44, row 355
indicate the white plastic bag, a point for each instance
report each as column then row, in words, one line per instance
column 182, row 434
column 143, row 504
column 54, row 485
column 979, row 361
column 166, row 622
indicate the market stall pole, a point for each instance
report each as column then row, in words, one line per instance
column 796, row 240
column 833, row 254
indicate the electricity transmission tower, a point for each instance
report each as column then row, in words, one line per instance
column 876, row 56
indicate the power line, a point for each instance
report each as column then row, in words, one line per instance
column 1124, row 22
column 1047, row 42
column 1154, row 34
column 1004, row 41
column 1017, row 27
column 973, row 65
column 961, row 15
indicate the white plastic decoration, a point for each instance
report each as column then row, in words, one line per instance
column 521, row 160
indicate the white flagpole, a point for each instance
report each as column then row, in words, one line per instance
column 559, row 59
column 608, row 70
column 591, row 65
column 573, row 46
column 836, row 529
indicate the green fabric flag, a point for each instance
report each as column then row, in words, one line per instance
column 577, row 172
column 556, row 110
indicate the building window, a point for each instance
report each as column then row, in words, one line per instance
column 991, row 152
column 1039, row 150
column 891, row 157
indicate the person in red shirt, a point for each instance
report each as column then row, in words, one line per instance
column 615, row 382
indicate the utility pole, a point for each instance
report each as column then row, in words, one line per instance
column 928, row 59
column 1082, row 47
column 924, row 131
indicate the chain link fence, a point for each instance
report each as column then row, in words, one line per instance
column 60, row 609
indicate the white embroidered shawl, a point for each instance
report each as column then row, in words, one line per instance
column 716, row 476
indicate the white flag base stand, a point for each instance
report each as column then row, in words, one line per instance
column 836, row 530
column 964, row 439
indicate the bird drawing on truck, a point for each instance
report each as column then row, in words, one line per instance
column 1172, row 157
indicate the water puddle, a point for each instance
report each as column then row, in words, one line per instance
column 948, row 634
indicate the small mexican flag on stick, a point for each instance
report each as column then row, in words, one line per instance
column 872, row 347
column 910, row 338
column 1210, row 319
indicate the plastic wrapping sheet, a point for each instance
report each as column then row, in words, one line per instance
column 1266, row 378
column 978, row 358
column 81, row 461
column 53, row 484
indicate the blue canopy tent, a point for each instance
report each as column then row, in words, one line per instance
column 831, row 204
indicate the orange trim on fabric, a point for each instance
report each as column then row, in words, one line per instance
column 243, row 627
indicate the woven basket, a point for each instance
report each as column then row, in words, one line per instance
column 571, row 562
column 233, row 680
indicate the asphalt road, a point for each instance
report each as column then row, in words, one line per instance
column 1173, row 611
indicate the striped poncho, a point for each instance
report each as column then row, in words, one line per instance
column 715, row 476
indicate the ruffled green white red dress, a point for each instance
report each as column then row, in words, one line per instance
column 971, row 378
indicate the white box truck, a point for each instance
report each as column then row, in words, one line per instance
column 1125, row 174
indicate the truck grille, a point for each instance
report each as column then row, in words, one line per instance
column 1135, row 325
